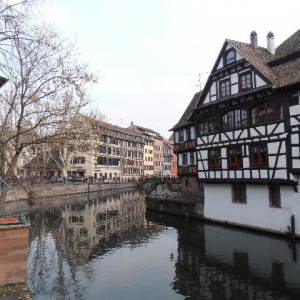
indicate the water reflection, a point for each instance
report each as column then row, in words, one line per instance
column 110, row 248
column 215, row 262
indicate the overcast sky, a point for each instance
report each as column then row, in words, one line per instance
column 149, row 53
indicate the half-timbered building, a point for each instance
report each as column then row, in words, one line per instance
column 247, row 125
column 185, row 149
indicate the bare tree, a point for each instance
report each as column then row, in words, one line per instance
column 78, row 138
column 46, row 88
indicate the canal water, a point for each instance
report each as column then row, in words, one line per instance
column 110, row 247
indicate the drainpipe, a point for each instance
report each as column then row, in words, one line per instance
column 292, row 226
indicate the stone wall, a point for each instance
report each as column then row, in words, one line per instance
column 171, row 206
column 55, row 189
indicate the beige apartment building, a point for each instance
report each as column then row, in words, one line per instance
column 117, row 155
column 148, row 158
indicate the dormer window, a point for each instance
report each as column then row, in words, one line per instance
column 230, row 57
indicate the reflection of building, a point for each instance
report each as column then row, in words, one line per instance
column 104, row 223
column 214, row 262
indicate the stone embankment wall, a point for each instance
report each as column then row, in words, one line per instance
column 60, row 189
column 177, row 203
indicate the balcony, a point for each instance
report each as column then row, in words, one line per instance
column 185, row 146
column 187, row 170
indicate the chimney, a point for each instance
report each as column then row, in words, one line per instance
column 270, row 43
column 253, row 39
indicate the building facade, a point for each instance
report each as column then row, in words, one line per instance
column 117, row 155
column 154, row 146
column 247, row 124
column 185, row 149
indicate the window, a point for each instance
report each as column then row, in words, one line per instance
column 214, row 159
column 258, row 156
column 234, row 158
column 78, row 160
column 101, row 160
column 239, row 193
column 230, row 57
column 180, row 136
column 188, row 134
column 208, row 125
column 266, row 112
column 274, row 196
column 234, row 119
column 294, row 99
column 224, row 88
column 192, row 158
column 245, row 82
column 187, row 183
column 184, row 159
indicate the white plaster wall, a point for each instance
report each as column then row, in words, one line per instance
column 257, row 212
column 295, row 110
column 179, row 159
column 193, row 132
column 239, row 56
column 207, row 100
column 213, row 89
column 176, row 136
column 259, row 81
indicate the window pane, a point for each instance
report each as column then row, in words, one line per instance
column 239, row 194
column 274, row 196
column 230, row 57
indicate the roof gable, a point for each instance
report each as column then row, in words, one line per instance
column 184, row 120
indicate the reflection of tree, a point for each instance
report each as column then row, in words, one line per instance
column 65, row 239
column 47, row 260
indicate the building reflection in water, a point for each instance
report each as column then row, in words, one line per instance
column 67, row 238
column 204, row 261
column 215, row 262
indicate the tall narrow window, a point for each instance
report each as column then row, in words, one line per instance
column 224, row 88
column 258, row 156
column 214, row 159
column 192, row 158
column 293, row 99
column 188, row 134
column 274, row 196
column 184, row 159
column 239, row 193
column 234, row 158
column 181, row 136
column 245, row 82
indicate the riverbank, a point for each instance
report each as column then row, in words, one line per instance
column 62, row 189
column 186, row 205
column 54, row 195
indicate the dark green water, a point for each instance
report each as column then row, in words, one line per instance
column 110, row 248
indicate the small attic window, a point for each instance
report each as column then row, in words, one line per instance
column 230, row 57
